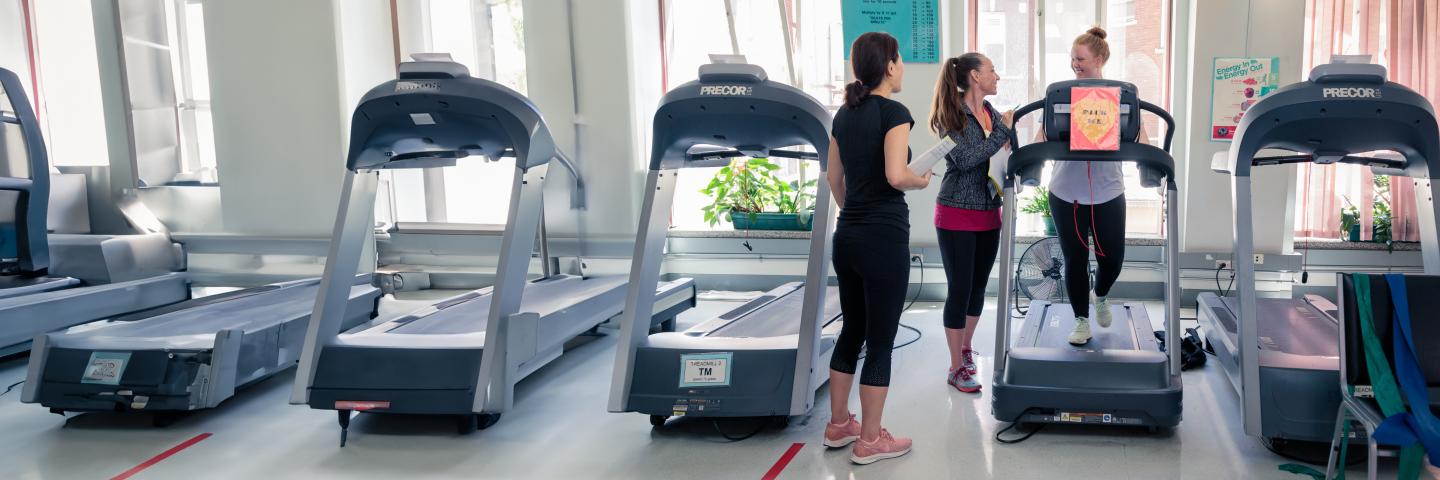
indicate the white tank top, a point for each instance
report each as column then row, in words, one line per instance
column 1104, row 183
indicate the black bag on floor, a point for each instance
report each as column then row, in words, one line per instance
column 1192, row 349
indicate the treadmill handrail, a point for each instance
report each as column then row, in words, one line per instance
column 32, row 205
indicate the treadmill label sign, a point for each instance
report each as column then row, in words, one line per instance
column 411, row 86
column 105, row 368
column 727, row 90
column 1350, row 92
column 705, row 369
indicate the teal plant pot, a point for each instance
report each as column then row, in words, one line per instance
column 771, row 221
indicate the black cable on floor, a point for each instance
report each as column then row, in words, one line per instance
column 918, row 335
column 716, row 424
column 1357, row 455
column 11, row 387
column 1012, row 426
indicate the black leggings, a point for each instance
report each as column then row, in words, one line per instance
column 872, row 263
column 968, row 258
column 1074, row 224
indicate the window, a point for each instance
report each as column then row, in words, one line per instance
column 814, row 62
column 1032, row 50
column 167, row 91
column 1336, row 201
column 488, row 37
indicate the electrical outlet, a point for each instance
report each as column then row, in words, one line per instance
column 1259, row 259
column 1222, row 264
column 917, row 258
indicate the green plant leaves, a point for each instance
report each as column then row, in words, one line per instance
column 752, row 186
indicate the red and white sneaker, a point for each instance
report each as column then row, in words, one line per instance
column 968, row 357
column 962, row 380
column 841, row 435
column 886, row 446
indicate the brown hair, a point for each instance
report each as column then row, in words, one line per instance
column 946, row 115
column 1094, row 39
column 870, row 58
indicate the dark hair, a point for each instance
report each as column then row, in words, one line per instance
column 946, row 116
column 870, row 58
column 1094, row 39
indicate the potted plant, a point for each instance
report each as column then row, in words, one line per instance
column 1349, row 221
column 1040, row 203
column 751, row 197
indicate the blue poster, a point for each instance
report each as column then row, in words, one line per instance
column 915, row 23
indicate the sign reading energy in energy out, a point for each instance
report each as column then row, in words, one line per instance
column 914, row 23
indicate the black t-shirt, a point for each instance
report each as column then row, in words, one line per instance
column 860, row 137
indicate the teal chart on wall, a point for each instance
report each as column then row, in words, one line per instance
column 915, row 23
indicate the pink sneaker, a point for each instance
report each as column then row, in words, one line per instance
column 837, row 436
column 887, row 446
column 969, row 361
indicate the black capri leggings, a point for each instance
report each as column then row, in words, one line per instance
column 1107, row 239
column 872, row 263
column 968, row 258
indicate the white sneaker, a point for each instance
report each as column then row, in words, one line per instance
column 1102, row 312
column 1081, row 334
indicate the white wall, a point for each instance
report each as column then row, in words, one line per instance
column 616, row 58
column 12, row 42
column 281, row 105
column 1235, row 28
column 74, row 125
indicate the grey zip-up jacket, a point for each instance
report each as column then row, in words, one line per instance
column 966, row 184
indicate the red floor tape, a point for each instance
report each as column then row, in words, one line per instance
column 162, row 456
column 782, row 462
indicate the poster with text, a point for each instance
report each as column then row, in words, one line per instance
column 914, row 23
column 1238, row 83
column 1095, row 118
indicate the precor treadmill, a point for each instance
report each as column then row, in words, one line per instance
column 463, row 355
column 767, row 357
column 51, row 282
column 1288, row 387
column 1121, row 377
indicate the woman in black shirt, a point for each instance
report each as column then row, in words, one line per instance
column 869, row 152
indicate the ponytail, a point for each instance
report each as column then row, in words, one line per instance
column 946, row 113
column 870, row 58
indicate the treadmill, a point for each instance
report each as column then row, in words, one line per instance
column 768, row 356
column 50, row 282
column 1121, row 377
column 463, row 355
column 1288, row 387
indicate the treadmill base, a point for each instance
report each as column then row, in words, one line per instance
column 1144, row 408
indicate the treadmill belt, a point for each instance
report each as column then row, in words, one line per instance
column 471, row 313
column 1059, row 321
column 1290, row 326
column 779, row 317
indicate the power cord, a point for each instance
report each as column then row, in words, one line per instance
column 11, row 387
column 1014, row 424
column 732, row 438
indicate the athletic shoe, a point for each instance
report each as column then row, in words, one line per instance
column 1102, row 312
column 968, row 360
column 963, row 381
column 837, row 436
column 1081, row 334
column 887, row 446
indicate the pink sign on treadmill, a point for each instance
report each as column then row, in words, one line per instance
column 1095, row 118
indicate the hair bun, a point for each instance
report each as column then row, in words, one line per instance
column 1097, row 32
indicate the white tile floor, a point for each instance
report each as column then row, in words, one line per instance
column 560, row 429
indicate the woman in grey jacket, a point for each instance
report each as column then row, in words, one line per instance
column 967, row 211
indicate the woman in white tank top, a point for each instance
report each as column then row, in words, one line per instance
column 1087, row 200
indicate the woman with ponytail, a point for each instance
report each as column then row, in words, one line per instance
column 868, row 175
column 1087, row 201
column 967, row 211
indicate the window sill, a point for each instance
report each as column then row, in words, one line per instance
column 1322, row 244
column 760, row 234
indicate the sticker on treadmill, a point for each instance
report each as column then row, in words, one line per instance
column 105, row 368
column 705, row 369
